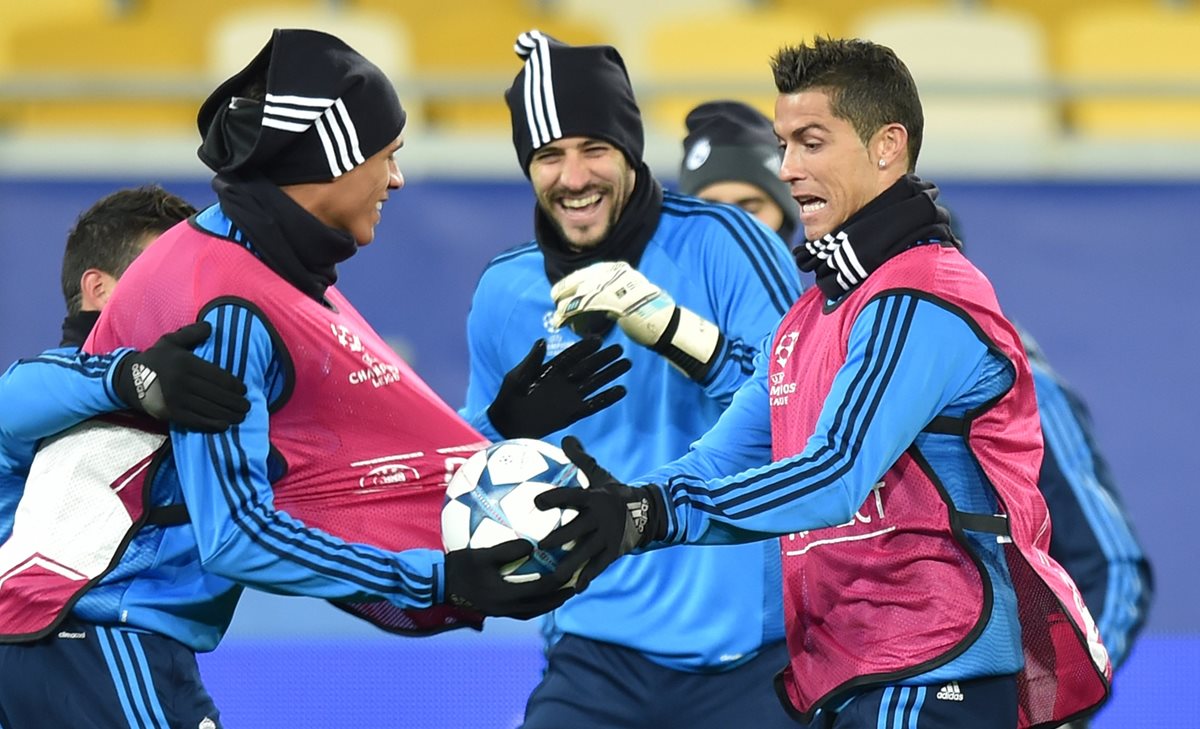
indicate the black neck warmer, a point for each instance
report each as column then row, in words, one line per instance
column 77, row 327
column 901, row 216
column 293, row 243
column 625, row 242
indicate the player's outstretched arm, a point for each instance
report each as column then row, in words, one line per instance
column 537, row 398
column 647, row 314
column 60, row 388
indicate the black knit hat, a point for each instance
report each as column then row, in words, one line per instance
column 308, row 108
column 572, row 91
column 728, row 141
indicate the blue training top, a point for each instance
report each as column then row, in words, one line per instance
column 693, row 608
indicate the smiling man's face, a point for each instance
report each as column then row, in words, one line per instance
column 583, row 185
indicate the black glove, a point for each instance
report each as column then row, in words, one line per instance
column 536, row 398
column 613, row 519
column 170, row 383
column 473, row 581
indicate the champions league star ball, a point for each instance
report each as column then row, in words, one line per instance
column 489, row 500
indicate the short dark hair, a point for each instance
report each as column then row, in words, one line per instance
column 110, row 234
column 868, row 85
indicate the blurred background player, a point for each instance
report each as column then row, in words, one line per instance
column 687, row 638
column 904, row 446
column 731, row 155
column 1091, row 535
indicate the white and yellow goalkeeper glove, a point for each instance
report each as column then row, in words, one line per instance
column 647, row 314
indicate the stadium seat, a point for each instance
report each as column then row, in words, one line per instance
column 1137, row 50
column 983, row 76
column 843, row 15
column 236, row 35
column 1054, row 15
column 463, row 58
column 726, row 55
column 113, row 73
column 612, row 16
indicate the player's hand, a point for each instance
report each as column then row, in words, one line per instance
column 538, row 398
column 647, row 314
column 474, row 581
column 170, row 383
column 613, row 519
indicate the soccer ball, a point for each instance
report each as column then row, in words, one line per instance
column 489, row 500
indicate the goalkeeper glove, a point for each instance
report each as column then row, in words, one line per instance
column 646, row 313
column 170, row 383
column 613, row 519
column 537, row 398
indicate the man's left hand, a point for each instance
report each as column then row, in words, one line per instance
column 538, row 398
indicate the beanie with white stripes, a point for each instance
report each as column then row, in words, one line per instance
column 308, row 108
column 572, row 91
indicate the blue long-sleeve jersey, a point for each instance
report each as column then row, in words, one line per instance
column 908, row 360
column 41, row 396
column 184, row 581
column 1091, row 536
column 708, row 608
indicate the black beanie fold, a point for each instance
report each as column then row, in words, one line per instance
column 572, row 91
column 308, row 108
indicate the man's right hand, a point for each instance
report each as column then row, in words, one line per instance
column 474, row 581
column 170, row 383
column 613, row 518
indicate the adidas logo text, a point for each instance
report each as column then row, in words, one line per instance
column 143, row 378
column 950, row 692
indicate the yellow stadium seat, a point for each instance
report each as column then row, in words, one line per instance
column 843, row 15
column 983, row 76
column 1055, row 15
column 126, row 73
column 629, row 37
column 463, row 55
column 724, row 55
column 237, row 35
column 1133, row 48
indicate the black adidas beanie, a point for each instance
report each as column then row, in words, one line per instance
column 572, row 91
column 308, row 108
column 728, row 141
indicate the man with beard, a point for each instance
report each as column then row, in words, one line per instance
column 687, row 638
column 889, row 435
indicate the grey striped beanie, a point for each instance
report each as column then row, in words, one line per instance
column 572, row 91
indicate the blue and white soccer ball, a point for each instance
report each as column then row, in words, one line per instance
column 489, row 500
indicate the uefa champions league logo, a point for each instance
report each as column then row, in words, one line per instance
column 783, row 350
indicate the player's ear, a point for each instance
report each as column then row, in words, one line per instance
column 96, row 286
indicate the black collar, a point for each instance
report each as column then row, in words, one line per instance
column 77, row 327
